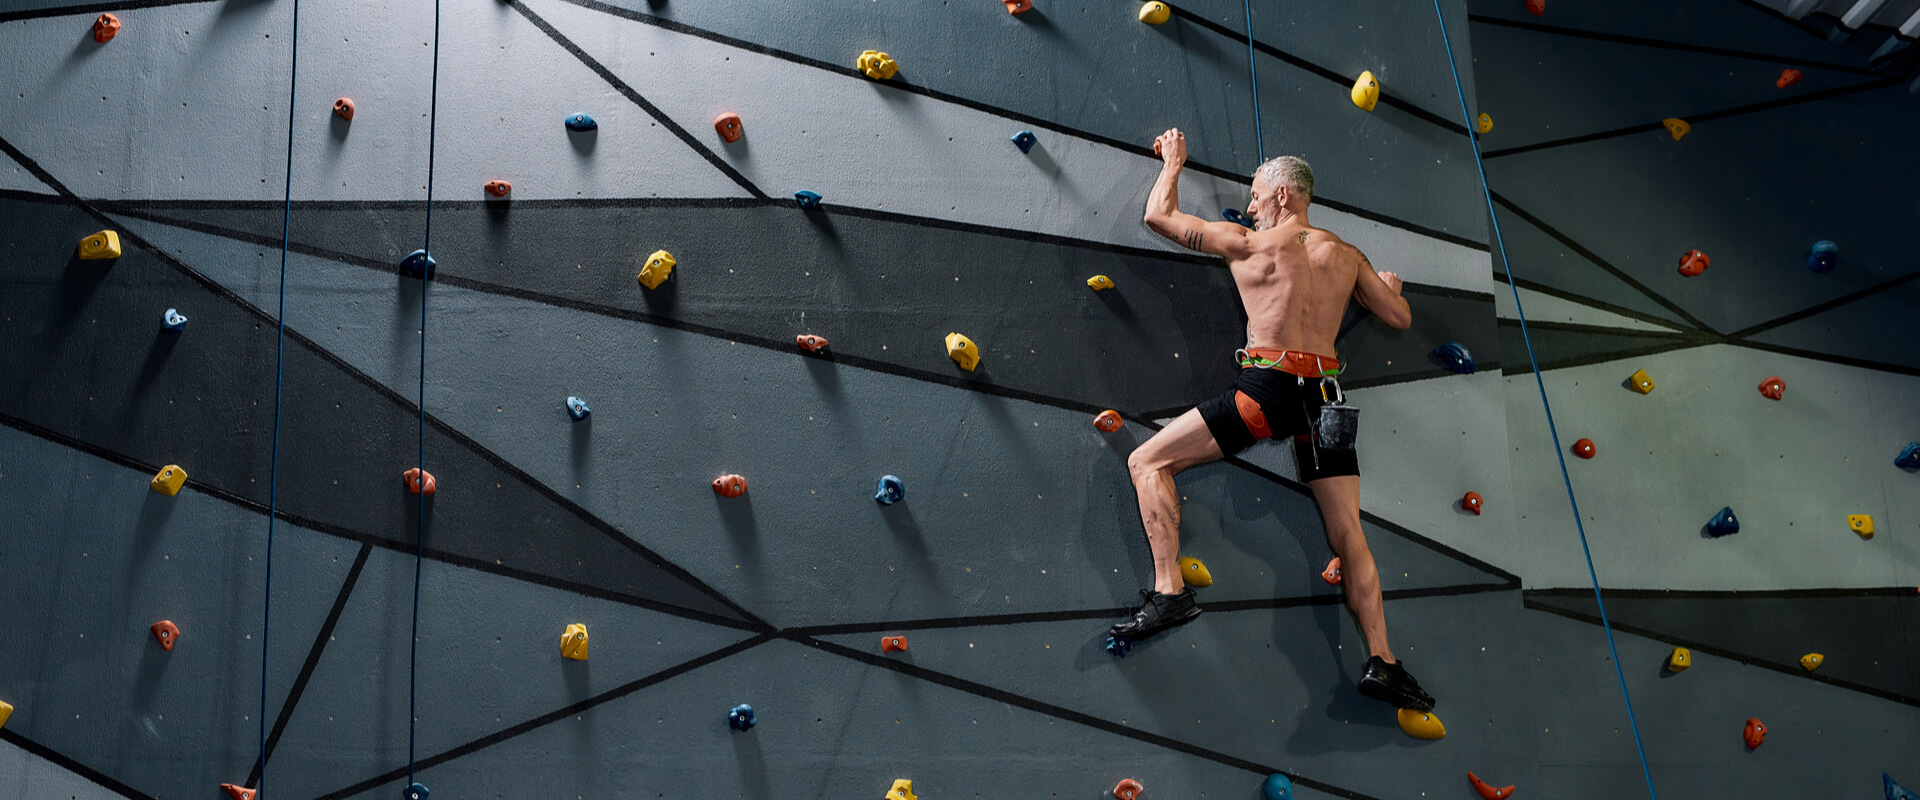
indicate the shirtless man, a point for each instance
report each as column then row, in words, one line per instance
column 1294, row 280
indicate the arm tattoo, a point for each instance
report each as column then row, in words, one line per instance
column 1191, row 240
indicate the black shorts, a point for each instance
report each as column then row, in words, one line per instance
column 1270, row 403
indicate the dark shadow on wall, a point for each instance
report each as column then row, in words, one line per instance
column 155, row 510
column 736, row 513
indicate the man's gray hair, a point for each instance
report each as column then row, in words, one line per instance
column 1290, row 170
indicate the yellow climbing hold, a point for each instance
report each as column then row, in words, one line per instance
column 573, row 643
column 169, row 480
column 1485, row 123
column 658, row 267
column 877, row 65
column 1155, row 13
column 1812, row 661
column 105, row 244
column 1861, row 524
column 1679, row 660
column 1676, row 126
column 1366, row 91
column 1099, row 282
column 963, row 351
column 1640, row 381
column 902, row 790
column 6, row 710
column 1421, row 724
column 1194, row 572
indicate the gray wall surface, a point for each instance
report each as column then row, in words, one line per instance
column 1020, row 538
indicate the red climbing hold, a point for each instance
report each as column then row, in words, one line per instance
column 1756, row 733
column 106, row 27
column 1788, row 77
column 1332, row 573
column 1773, row 387
column 343, row 108
column 810, row 342
column 729, row 486
column 1471, row 502
column 499, row 188
column 1128, row 789
column 166, row 633
column 1489, row 792
column 1108, row 421
column 893, row 644
column 728, row 125
column 1536, row 7
column 1694, row 263
column 412, row 478
column 238, row 793
column 1584, row 448
column 1018, row 6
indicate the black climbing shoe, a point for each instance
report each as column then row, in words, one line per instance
column 1158, row 613
column 1390, row 684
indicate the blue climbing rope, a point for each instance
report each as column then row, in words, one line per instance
column 279, row 376
column 1253, row 78
column 420, row 531
column 1486, row 192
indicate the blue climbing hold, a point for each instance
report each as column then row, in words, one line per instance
column 1895, row 791
column 1119, row 646
column 581, row 123
column 1723, row 523
column 1824, row 256
column 418, row 264
column 1235, row 215
column 174, row 321
column 1025, row 141
column 1910, row 457
column 1456, row 358
column 414, row 791
column 741, row 717
column 1277, row 787
column 807, row 198
column 577, row 408
column 891, row 490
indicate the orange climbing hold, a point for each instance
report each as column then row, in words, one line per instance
column 166, row 633
column 1693, row 263
column 728, row 125
column 416, row 484
column 1472, row 502
column 343, row 108
column 1486, row 791
column 106, row 27
column 1536, row 7
column 730, row 486
column 1773, row 388
column 1128, row 789
column 810, row 342
column 238, row 793
column 893, row 644
column 1108, row 421
column 1584, row 448
column 1788, row 77
column 1755, row 734
column 1018, row 6
column 1332, row 573
column 498, row 188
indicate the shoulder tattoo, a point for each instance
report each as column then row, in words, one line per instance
column 1191, row 240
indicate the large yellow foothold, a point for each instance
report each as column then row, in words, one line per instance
column 6, row 710
column 1677, row 127
column 658, row 267
column 1155, row 13
column 1421, row 724
column 169, row 480
column 877, row 65
column 1640, row 381
column 573, row 643
column 1861, row 524
column 1679, row 660
column 963, row 351
column 1366, row 91
column 102, row 245
column 1485, row 123
column 1194, row 572
column 902, row 790
column 1099, row 282
column 1812, row 661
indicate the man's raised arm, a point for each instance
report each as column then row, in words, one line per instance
column 1163, row 207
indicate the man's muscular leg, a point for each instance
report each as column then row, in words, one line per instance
column 1184, row 443
column 1385, row 678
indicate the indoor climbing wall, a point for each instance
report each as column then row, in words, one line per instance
column 576, row 421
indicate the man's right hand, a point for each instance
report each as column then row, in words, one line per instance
column 1171, row 147
column 1392, row 280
